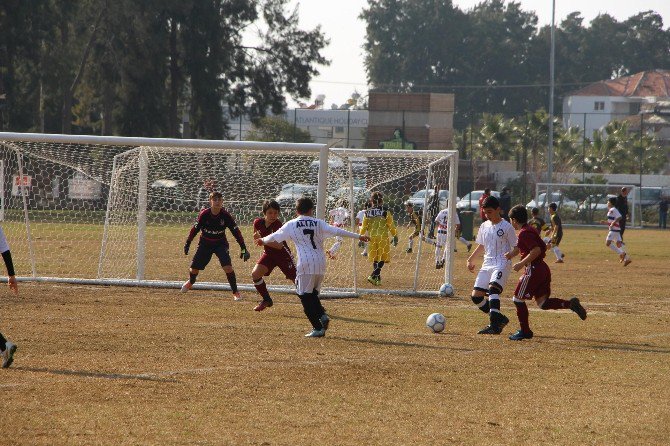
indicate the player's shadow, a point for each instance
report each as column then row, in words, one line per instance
column 401, row 344
column 599, row 344
column 345, row 319
column 102, row 375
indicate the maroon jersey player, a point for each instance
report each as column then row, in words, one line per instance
column 274, row 254
column 212, row 223
column 535, row 283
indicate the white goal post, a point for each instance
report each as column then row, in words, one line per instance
column 585, row 204
column 116, row 210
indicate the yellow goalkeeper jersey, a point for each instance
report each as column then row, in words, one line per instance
column 378, row 222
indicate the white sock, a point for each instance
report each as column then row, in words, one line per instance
column 411, row 243
column 614, row 248
column 557, row 252
column 465, row 242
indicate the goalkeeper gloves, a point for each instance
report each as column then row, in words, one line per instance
column 187, row 245
column 244, row 254
column 395, row 240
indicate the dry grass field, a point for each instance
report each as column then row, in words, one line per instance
column 106, row 365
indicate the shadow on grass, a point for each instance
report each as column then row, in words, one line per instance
column 401, row 344
column 345, row 319
column 598, row 344
column 103, row 375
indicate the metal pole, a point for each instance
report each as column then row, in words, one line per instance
column 295, row 122
column 584, row 150
column 322, row 190
column 240, row 127
column 348, row 125
column 403, row 130
column 550, row 147
column 641, row 148
column 142, row 192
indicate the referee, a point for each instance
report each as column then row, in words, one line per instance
column 622, row 206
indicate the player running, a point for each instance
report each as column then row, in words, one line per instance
column 495, row 238
column 537, row 222
column 308, row 234
column 274, row 254
column 535, row 283
column 7, row 348
column 614, row 219
column 555, row 233
column 378, row 222
column 213, row 223
column 338, row 218
column 359, row 223
column 442, row 233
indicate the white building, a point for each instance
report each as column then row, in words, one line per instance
column 595, row 105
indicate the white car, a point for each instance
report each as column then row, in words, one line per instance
column 290, row 192
column 470, row 201
column 597, row 202
column 361, row 195
column 556, row 197
column 417, row 199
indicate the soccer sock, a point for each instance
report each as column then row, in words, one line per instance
column 554, row 303
column 557, row 252
column 462, row 240
column 311, row 310
column 378, row 269
column 232, row 280
column 482, row 303
column 3, row 342
column 522, row 314
column 411, row 243
column 192, row 277
column 616, row 249
column 494, row 303
column 336, row 246
column 438, row 254
column 262, row 289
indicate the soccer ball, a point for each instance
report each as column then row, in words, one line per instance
column 436, row 322
column 446, row 290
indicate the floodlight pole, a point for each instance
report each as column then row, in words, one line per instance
column 550, row 148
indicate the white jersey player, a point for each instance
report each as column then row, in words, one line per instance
column 496, row 239
column 338, row 218
column 7, row 347
column 614, row 233
column 308, row 234
column 359, row 221
column 440, row 242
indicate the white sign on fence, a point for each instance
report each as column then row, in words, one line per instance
column 18, row 182
column 83, row 189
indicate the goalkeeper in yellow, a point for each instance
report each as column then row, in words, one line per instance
column 378, row 223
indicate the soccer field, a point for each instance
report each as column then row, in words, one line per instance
column 113, row 365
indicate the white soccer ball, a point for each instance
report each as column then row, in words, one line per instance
column 446, row 290
column 436, row 322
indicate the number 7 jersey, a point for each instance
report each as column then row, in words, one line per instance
column 308, row 234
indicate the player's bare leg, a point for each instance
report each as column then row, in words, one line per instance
column 193, row 274
column 257, row 275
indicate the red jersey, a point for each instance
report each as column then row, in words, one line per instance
column 213, row 227
column 259, row 225
column 528, row 239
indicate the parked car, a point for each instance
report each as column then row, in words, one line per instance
column 596, row 202
column 361, row 195
column 470, row 201
column 556, row 197
column 419, row 197
column 290, row 192
column 648, row 196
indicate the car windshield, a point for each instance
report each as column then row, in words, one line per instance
column 444, row 194
column 297, row 188
column 419, row 194
column 473, row 196
column 555, row 196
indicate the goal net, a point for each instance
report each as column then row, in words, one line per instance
column 584, row 204
column 118, row 210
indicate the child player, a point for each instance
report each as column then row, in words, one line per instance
column 274, row 254
column 338, row 217
column 359, row 223
column 7, row 348
column 414, row 220
column 555, row 233
column 495, row 238
column 308, row 234
column 378, row 222
column 213, row 222
column 537, row 222
column 614, row 234
column 535, row 283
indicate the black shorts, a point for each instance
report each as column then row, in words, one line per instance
column 205, row 251
column 557, row 240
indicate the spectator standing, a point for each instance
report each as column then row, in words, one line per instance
column 505, row 203
column 663, row 214
column 622, row 207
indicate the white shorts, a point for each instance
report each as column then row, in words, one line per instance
column 441, row 237
column 614, row 236
column 488, row 274
column 307, row 283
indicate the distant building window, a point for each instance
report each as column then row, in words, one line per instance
column 634, row 108
column 599, row 105
column 339, row 129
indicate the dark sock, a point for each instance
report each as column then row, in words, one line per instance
column 3, row 342
column 378, row 269
column 477, row 300
column 554, row 303
column 232, row 280
column 319, row 307
column 311, row 310
column 192, row 277
column 494, row 312
column 522, row 314
column 374, row 268
column 262, row 289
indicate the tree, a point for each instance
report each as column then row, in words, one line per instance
column 274, row 128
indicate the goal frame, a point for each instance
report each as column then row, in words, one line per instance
column 142, row 144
